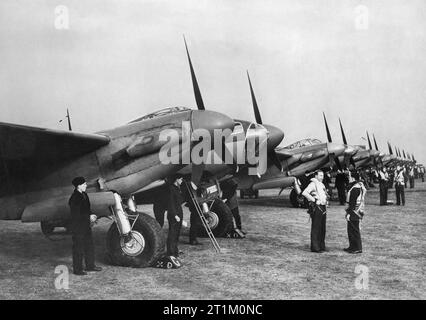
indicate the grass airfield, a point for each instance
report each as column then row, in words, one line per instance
column 273, row 262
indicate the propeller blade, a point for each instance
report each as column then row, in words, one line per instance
column 375, row 142
column 343, row 133
column 326, row 128
column 390, row 148
column 369, row 142
column 253, row 99
column 197, row 93
column 69, row 120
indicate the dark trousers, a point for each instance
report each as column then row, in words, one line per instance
column 400, row 194
column 196, row 224
column 82, row 247
column 237, row 217
column 383, row 192
column 159, row 210
column 174, row 232
column 411, row 180
column 354, row 235
column 318, row 229
column 341, row 192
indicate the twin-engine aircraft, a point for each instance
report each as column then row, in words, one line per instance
column 37, row 166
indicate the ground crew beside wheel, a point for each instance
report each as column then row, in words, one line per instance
column 229, row 196
column 174, row 216
column 82, row 219
column 316, row 194
column 355, row 212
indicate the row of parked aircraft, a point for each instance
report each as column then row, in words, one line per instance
column 123, row 169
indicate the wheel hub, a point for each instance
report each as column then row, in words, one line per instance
column 135, row 244
column 212, row 219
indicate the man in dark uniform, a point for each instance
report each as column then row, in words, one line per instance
column 316, row 194
column 229, row 195
column 174, row 216
column 355, row 212
column 341, row 183
column 81, row 220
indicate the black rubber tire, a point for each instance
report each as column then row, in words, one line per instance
column 242, row 194
column 46, row 227
column 154, row 244
column 256, row 194
column 226, row 222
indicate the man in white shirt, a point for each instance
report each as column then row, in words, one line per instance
column 400, row 186
column 316, row 194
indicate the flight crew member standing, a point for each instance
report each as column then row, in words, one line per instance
column 399, row 186
column 316, row 194
column 383, row 186
column 82, row 219
column 174, row 217
column 229, row 189
column 341, row 183
column 411, row 176
column 355, row 212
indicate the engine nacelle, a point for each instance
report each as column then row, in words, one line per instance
column 58, row 208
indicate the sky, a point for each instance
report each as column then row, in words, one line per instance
column 111, row 61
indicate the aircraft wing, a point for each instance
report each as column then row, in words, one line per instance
column 33, row 145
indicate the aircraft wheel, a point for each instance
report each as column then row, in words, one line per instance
column 46, row 227
column 219, row 220
column 242, row 194
column 143, row 249
column 256, row 194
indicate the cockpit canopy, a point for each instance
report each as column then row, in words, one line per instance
column 161, row 112
column 303, row 143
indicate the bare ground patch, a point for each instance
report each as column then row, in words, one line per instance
column 274, row 262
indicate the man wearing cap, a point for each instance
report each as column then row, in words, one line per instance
column 81, row 222
column 316, row 194
column 355, row 212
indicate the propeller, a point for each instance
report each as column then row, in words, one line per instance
column 197, row 93
column 369, row 142
column 351, row 160
column 272, row 155
column 326, row 128
column 390, row 148
column 377, row 149
column 197, row 170
column 343, row 133
column 336, row 160
column 375, row 142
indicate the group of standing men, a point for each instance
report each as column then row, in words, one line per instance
column 316, row 194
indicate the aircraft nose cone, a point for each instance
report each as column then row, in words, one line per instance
column 336, row 149
column 350, row 151
column 375, row 153
column 275, row 136
column 211, row 120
